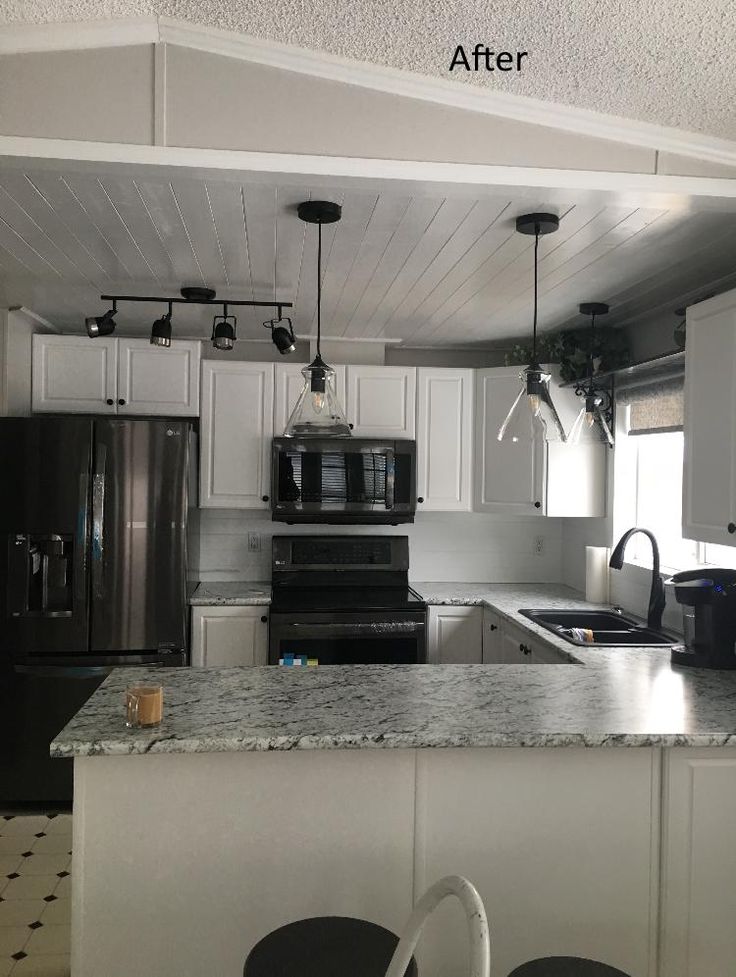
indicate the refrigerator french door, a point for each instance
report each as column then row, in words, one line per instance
column 93, row 575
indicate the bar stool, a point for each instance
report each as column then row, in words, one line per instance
column 325, row 946
column 566, row 967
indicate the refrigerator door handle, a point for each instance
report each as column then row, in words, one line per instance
column 98, row 522
column 79, row 567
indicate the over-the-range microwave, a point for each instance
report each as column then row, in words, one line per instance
column 343, row 480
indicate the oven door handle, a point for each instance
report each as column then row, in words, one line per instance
column 359, row 627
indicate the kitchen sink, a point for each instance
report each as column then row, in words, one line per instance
column 603, row 628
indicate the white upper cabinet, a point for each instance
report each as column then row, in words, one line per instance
column 709, row 485
column 74, row 374
column 381, row 401
column 157, row 380
column 289, row 383
column 444, row 439
column 115, row 376
column 532, row 476
column 235, row 436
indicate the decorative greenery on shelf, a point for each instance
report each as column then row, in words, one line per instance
column 570, row 350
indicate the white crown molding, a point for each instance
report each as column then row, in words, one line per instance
column 519, row 108
column 638, row 189
column 81, row 36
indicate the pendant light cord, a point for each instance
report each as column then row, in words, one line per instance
column 319, row 287
column 534, row 333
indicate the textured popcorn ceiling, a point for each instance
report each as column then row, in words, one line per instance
column 662, row 61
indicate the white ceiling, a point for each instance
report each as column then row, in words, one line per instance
column 659, row 61
column 415, row 264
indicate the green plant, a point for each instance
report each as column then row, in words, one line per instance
column 570, row 350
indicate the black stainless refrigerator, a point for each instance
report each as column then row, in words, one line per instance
column 92, row 576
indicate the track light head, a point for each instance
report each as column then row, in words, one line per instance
column 100, row 325
column 282, row 334
column 161, row 331
column 224, row 330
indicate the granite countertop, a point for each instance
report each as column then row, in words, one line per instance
column 615, row 697
column 231, row 593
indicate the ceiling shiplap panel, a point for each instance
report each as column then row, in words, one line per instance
column 442, row 266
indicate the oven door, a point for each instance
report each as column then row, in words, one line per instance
column 349, row 638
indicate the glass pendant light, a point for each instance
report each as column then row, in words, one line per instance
column 318, row 412
column 533, row 413
column 591, row 424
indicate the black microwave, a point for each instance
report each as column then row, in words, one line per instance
column 343, row 480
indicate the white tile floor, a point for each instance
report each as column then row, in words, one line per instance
column 35, row 867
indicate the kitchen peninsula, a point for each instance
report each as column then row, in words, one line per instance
column 272, row 794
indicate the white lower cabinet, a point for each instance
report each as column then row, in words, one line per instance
column 229, row 635
column 698, row 907
column 506, row 644
column 455, row 635
column 235, row 435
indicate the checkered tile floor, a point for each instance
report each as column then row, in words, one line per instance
column 35, row 867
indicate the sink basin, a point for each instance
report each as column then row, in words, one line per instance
column 608, row 629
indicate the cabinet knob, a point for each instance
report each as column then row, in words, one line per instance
column 493, row 627
column 420, row 499
column 537, row 505
column 731, row 527
column 110, row 401
column 264, row 618
column 351, row 426
column 264, row 498
column 521, row 647
column 121, row 402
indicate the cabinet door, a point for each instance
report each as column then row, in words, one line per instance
column 74, row 374
column 509, row 475
column 236, row 433
column 455, row 635
column 544, row 654
column 155, row 380
column 515, row 647
column 381, row 401
column 709, row 505
column 493, row 647
column 223, row 636
column 288, row 385
column 444, row 439
column 699, row 863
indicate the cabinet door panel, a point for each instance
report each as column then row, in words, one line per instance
column 455, row 635
column 709, row 494
column 493, row 648
column 226, row 636
column 155, row 380
column 288, row 385
column 699, row 897
column 509, row 475
column 74, row 374
column 381, row 401
column 236, row 432
column 444, row 439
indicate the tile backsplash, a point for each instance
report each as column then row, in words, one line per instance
column 460, row 547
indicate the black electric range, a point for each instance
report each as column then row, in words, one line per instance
column 339, row 600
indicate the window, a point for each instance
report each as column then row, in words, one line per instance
column 655, row 461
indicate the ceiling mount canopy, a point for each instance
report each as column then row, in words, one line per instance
column 541, row 418
column 318, row 412
column 593, row 422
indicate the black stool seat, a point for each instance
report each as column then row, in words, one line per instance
column 326, row 946
column 566, row 967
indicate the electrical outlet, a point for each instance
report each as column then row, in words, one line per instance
column 254, row 543
column 539, row 545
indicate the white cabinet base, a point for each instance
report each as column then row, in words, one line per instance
column 229, row 635
column 455, row 635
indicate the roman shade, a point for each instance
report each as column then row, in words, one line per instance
column 656, row 402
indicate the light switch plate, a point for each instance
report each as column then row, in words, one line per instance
column 254, row 542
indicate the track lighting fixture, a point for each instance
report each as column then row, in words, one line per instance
column 161, row 330
column 282, row 334
column 592, row 422
column 224, row 330
column 223, row 327
column 101, row 325
column 541, row 416
column 318, row 411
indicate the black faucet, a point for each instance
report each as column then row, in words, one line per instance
column 657, row 598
